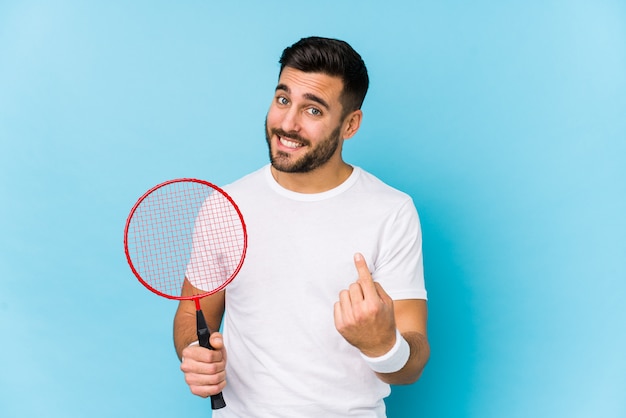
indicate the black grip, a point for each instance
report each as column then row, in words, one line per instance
column 217, row 401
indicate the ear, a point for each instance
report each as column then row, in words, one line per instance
column 352, row 123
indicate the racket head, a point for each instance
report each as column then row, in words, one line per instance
column 185, row 229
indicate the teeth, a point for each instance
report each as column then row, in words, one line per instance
column 288, row 143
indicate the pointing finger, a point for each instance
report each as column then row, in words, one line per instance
column 365, row 277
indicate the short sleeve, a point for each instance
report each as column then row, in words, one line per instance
column 399, row 267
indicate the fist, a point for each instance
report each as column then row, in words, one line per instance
column 204, row 369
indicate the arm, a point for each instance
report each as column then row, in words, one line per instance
column 185, row 318
column 410, row 316
column 368, row 318
column 205, row 370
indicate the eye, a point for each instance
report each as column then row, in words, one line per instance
column 281, row 100
column 314, row 111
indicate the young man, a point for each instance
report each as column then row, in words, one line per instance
column 330, row 305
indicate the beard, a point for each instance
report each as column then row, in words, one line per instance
column 314, row 158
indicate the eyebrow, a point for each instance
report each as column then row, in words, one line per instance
column 308, row 96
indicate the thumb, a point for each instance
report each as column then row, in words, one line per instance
column 384, row 296
column 217, row 341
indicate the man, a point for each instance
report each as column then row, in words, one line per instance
column 330, row 305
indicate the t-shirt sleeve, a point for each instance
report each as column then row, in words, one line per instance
column 399, row 267
column 218, row 244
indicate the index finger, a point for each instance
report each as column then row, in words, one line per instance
column 365, row 277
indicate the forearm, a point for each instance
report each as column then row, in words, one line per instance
column 418, row 357
column 184, row 328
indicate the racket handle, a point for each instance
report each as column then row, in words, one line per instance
column 217, row 401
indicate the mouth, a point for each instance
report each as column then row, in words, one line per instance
column 289, row 143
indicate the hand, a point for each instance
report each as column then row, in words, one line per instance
column 364, row 315
column 204, row 369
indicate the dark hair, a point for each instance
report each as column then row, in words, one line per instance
column 332, row 57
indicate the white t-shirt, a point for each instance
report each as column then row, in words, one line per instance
column 285, row 356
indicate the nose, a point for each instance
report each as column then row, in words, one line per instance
column 291, row 120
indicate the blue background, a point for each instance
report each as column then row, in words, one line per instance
column 506, row 122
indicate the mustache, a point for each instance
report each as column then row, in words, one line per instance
column 290, row 135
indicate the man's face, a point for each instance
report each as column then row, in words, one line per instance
column 303, row 127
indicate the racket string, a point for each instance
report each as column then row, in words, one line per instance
column 186, row 229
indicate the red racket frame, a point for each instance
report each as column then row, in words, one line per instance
column 197, row 297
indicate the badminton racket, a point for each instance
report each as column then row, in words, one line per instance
column 186, row 229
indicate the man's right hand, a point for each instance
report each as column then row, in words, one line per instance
column 204, row 369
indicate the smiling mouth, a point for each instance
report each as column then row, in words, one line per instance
column 288, row 143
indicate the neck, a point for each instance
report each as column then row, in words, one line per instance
column 319, row 180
